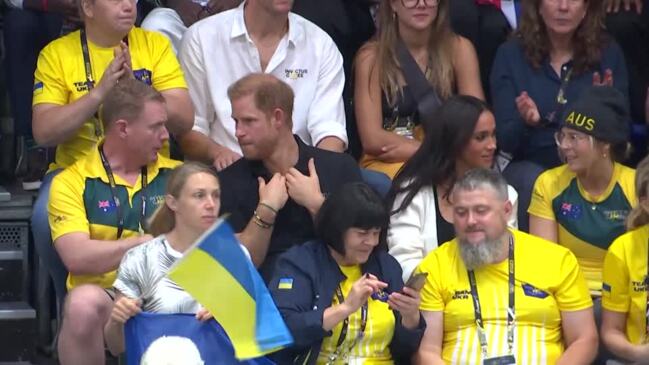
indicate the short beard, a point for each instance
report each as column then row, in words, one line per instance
column 483, row 253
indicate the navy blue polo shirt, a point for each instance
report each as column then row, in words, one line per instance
column 512, row 74
column 293, row 224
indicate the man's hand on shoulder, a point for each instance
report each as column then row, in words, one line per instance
column 305, row 189
column 223, row 157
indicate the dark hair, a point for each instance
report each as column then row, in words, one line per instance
column 353, row 205
column 588, row 39
column 447, row 132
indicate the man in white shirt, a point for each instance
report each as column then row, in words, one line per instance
column 261, row 36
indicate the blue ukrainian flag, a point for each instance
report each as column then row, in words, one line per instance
column 217, row 273
column 142, row 331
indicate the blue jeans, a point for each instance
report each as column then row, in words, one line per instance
column 43, row 237
column 26, row 32
column 378, row 181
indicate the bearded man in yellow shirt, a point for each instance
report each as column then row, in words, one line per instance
column 495, row 295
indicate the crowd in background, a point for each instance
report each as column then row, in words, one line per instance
column 417, row 181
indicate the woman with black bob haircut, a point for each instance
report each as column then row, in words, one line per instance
column 341, row 296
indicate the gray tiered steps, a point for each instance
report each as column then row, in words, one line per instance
column 17, row 318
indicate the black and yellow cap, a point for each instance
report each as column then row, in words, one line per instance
column 600, row 111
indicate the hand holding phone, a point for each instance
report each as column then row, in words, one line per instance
column 417, row 281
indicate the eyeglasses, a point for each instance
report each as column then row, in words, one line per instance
column 570, row 139
column 411, row 4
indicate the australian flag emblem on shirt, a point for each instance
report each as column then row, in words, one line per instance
column 106, row 206
column 570, row 210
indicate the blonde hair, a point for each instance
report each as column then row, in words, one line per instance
column 440, row 73
column 268, row 91
column 164, row 219
column 639, row 216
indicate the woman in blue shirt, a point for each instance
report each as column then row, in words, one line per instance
column 559, row 50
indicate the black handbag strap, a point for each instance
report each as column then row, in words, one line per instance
column 415, row 79
column 426, row 97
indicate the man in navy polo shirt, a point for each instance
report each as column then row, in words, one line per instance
column 262, row 108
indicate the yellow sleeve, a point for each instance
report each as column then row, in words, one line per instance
column 167, row 73
column 541, row 202
column 615, row 278
column 572, row 293
column 66, row 210
column 431, row 294
column 49, row 79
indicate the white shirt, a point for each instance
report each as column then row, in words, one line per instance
column 217, row 51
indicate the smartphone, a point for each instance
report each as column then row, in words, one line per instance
column 417, row 281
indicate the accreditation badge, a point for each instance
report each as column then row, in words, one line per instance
column 500, row 360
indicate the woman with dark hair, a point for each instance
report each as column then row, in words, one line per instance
column 624, row 301
column 386, row 106
column 460, row 136
column 583, row 204
column 342, row 297
column 559, row 50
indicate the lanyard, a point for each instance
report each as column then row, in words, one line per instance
column 90, row 82
column 561, row 101
column 343, row 332
column 511, row 316
column 113, row 193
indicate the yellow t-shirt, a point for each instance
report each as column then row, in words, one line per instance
column 60, row 79
column 623, row 287
column 81, row 201
column 373, row 348
column 542, row 292
column 587, row 225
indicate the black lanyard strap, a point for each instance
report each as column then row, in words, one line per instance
column 116, row 201
column 550, row 119
column 343, row 332
column 90, row 82
column 511, row 313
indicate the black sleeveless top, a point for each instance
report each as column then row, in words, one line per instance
column 445, row 230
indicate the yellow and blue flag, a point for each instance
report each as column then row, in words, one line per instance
column 217, row 273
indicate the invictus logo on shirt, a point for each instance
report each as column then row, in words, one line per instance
column 639, row 286
column 156, row 199
column 295, row 74
column 581, row 120
column 616, row 215
column 461, row 294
